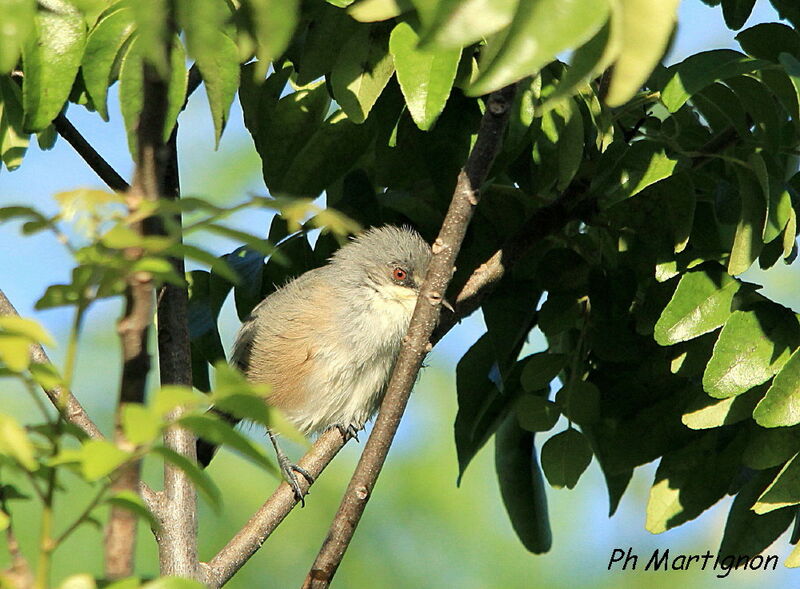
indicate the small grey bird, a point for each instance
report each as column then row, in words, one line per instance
column 326, row 342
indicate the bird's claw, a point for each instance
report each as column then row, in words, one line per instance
column 348, row 431
column 289, row 469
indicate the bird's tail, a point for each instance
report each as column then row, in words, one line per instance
column 207, row 449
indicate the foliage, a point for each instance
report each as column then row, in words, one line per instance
column 662, row 185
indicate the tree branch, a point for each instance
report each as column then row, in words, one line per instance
column 71, row 409
column 133, row 328
column 250, row 538
column 95, row 161
column 417, row 341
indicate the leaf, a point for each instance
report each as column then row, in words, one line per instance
column 769, row 40
column 14, row 442
column 27, row 328
column 580, row 402
column 271, row 23
column 173, row 583
column 460, row 23
column 220, row 433
column 51, row 59
column 15, row 352
column 132, row 502
column 13, row 139
column 789, row 10
column 784, row 489
column 705, row 413
column 541, row 369
column 377, row 10
column 745, row 531
column 481, row 405
column 781, row 405
column 643, row 164
column 690, row 480
column 564, row 458
column 522, row 486
column 103, row 46
column 425, row 76
column 536, row 414
column 752, row 347
column 703, row 69
column 362, row 71
column 199, row 477
column 215, row 54
column 736, row 12
column 81, row 581
column 538, row 32
column 100, row 458
column 131, row 88
column 747, row 243
column 326, row 34
column 770, row 447
column 18, row 19
column 152, row 20
column 140, row 425
column 646, row 30
column 701, row 303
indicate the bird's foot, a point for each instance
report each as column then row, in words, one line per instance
column 349, row 432
column 290, row 471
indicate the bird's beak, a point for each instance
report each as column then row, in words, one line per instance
column 446, row 304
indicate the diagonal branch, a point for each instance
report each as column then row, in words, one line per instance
column 62, row 399
column 417, row 341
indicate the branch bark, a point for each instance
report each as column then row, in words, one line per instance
column 72, row 410
column 133, row 327
column 416, row 344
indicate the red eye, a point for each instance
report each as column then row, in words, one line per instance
column 399, row 274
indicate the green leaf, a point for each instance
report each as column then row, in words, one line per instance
column 580, row 402
column 271, row 23
column 27, row 328
column 198, row 476
column 51, row 59
column 170, row 397
column 705, row 413
column 326, row 34
column 789, row 10
column 152, row 19
column 781, row 406
column 646, row 30
column 332, row 151
column 132, row 502
column 99, row 458
column 769, row 40
column 13, row 139
column 564, row 458
column 219, row 432
column 362, row 71
column 5, row 520
column 536, row 414
column 481, row 405
column 215, row 54
column 14, row 442
column 140, row 424
column 770, row 447
column 745, row 531
column 425, row 76
column 541, row 369
column 377, row 10
column 460, row 23
column 103, row 46
column 642, row 165
column 784, row 490
column 131, row 88
column 747, row 243
column 752, row 347
column 690, row 480
column 522, row 486
column 80, row 581
column 18, row 18
column 15, row 352
column 736, row 12
column 701, row 303
column 538, row 32
column 703, row 69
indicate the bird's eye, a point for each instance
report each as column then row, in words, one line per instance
column 399, row 274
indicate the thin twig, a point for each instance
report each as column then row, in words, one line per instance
column 63, row 399
column 89, row 154
column 417, row 341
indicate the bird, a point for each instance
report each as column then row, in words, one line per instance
column 325, row 342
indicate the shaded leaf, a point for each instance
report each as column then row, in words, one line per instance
column 564, row 458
